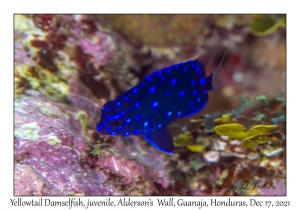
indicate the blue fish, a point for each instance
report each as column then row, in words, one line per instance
column 173, row 92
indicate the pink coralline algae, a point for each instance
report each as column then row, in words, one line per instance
column 55, row 144
column 53, row 155
column 21, row 54
column 100, row 48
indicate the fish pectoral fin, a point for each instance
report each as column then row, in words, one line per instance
column 161, row 139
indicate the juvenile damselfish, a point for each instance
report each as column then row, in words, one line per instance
column 173, row 92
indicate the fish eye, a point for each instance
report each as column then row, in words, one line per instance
column 116, row 122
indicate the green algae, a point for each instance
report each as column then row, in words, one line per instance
column 44, row 81
column 229, row 129
column 252, row 143
column 258, row 117
column 197, row 164
column 38, row 74
column 262, row 129
column 186, row 139
column 98, row 149
column 182, row 139
column 82, row 117
column 195, row 147
column 28, row 131
column 245, row 102
column 52, row 139
column 251, row 132
column 272, row 152
column 236, row 131
column 226, row 118
column 203, row 140
column 264, row 25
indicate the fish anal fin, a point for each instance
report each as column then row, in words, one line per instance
column 161, row 139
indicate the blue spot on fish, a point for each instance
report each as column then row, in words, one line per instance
column 152, row 90
column 154, row 104
column 138, row 117
column 135, row 90
column 202, row 81
column 169, row 114
column 137, row 104
column 181, row 93
column 127, row 120
column 149, row 107
column 173, row 81
column 120, row 127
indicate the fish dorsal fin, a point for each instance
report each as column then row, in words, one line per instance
column 218, row 77
column 203, row 60
column 161, row 139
